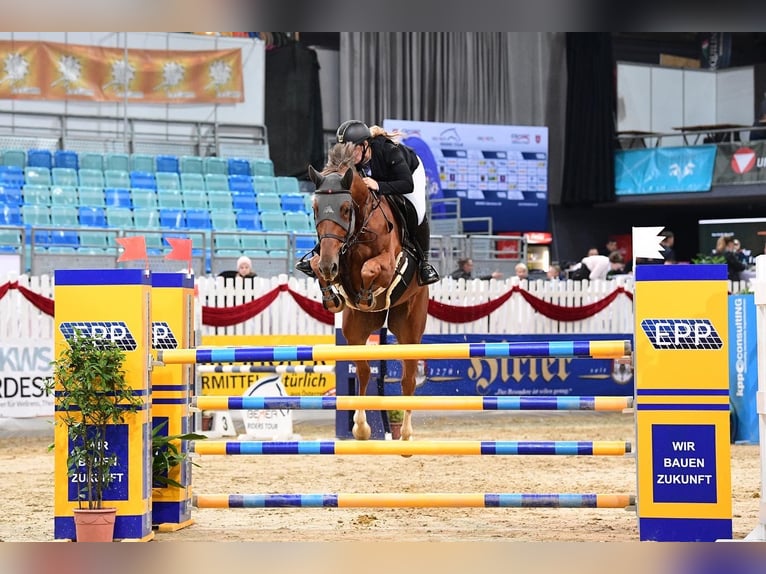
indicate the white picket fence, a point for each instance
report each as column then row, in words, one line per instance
column 19, row 319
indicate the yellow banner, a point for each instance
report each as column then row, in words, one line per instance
column 51, row 71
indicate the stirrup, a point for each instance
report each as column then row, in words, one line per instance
column 427, row 274
column 304, row 266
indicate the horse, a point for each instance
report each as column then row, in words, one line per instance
column 364, row 271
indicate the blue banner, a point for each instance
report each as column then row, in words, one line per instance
column 518, row 376
column 743, row 368
column 664, row 170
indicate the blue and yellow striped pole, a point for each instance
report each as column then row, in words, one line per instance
column 682, row 403
column 581, row 349
column 172, row 328
column 408, row 448
column 114, row 304
column 414, row 500
column 446, row 403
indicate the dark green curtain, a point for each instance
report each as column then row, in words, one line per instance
column 293, row 110
column 590, row 133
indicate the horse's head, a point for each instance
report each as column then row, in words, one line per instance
column 335, row 217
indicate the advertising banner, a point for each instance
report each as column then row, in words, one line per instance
column 743, row 368
column 740, row 164
column 25, row 370
column 52, row 71
column 664, row 170
column 518, row 376
column 490, row 169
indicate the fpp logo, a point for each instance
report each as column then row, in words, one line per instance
column 162, row 336
column 115, row 331
column 681, row 334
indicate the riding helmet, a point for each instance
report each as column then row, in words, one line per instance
column 352, row 131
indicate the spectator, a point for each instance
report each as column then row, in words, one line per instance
column 522, row 271
column 465, row 271
column 609, row 247
column 244, row 269
column 598, row 266
column 554, row 272
column 668, row 253
column 592, row 251
column 733, row 264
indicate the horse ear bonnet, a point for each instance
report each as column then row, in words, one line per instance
column 352, row 131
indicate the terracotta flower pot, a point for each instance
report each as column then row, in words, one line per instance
column 94, row 525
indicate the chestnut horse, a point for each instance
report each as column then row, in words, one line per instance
column 363, row 270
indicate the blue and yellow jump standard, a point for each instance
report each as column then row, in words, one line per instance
column 172, row 389
column 114, row 304
column 682, row 403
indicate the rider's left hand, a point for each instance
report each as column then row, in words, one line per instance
column 371, row 183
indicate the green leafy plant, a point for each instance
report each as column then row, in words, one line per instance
column 702, row 258
column 395, row 416
column 92, row 394
column 166, row 455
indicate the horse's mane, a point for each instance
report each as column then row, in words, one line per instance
column 339, row 158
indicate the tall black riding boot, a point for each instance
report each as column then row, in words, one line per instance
column 427, row 274
column 304, row 263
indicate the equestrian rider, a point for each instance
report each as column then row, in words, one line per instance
column 391, row 168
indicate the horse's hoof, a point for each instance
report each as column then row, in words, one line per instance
column 361, row 432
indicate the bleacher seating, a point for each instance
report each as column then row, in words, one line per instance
column 95, row 197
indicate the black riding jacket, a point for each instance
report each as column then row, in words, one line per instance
column 391, row 165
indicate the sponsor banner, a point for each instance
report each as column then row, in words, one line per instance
column 518, row 376
column 740, row 164
column 307, row 384
column 664, row 170
column 743, row 368
column 25, row 370
column 52, row 71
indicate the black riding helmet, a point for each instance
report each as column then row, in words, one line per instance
column 353, row 131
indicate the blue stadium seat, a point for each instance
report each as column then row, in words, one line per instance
column 240, row 184
column 192, row 181
column 64, row 215
column 252, row 242
column 12, row 176
column 268, row 202
column 216, row 182
column 91, row 196
column 197, row 219
column 277, row 241
column 298, row 221
column 169, row 199
column 63, row 238
column 66, row 158
column 228, row 242
column 172, row 218
column 143, row 198
column 293, row 202
column 10, row 215
column 239, row 166
column 243, row 202
column 99, row 239
column 119, row 217
column 145, row 217
column 304, row 244
column 249, row 220
column 37, row 195
column 224, row 221
column 219, row 200
column 39, row 158
column 10, row 195
column 117, row 197
column 92, row 216
column 273, row 221
column 217, row 165
column 195, row 199
column 167, row 163
column 142, row 180
column 168, row 180
column 10, row 240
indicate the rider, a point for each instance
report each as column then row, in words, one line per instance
column 392, row 169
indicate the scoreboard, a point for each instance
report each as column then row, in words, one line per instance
column 495, row 171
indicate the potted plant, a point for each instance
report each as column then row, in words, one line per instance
column 166, row 456
column 395, row 419
column 92, row 394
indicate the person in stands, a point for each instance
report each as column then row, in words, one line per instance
column 465, row 271
column 244, row 269
column 393, row 169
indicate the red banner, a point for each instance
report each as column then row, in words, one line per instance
column 51, row 71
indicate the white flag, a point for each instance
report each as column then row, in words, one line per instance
column 646, row 242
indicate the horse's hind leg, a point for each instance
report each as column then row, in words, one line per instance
column 409, row 370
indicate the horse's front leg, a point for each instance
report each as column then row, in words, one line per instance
column 374, row 269
column 409, row 370
column 331, row 300
column 361, row 429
